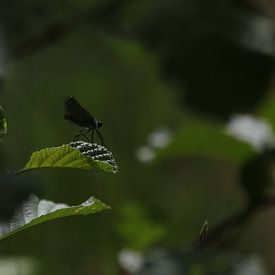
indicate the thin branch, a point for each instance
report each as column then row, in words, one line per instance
column 44, row 39
column 59, row 30
column 223, row 232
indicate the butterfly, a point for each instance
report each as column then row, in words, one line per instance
column 75, row 113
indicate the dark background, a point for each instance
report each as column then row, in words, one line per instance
column 139, row 66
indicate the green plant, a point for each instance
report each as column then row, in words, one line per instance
column 76, row 155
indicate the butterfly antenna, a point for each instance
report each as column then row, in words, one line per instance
column 24, row 148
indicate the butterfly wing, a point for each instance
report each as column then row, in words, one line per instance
column 75, row 113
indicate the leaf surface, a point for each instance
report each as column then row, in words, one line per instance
column 35, row 211
column 81, row 155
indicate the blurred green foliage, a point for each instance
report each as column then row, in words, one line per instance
column 100, row 74
column 3, row 124
column 136, row 229
column 98, row 52
column 202, row 139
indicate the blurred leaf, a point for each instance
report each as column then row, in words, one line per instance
column 35, row 211
column 205, row 140
column 257, row 177
column 3, row 124
column 83, row 156
column 13, row 193
column 218, row 68
column 136, row 227
column 267, row 110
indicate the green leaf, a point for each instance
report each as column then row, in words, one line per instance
column 267, row 110
column 35, row 211
column 3, row 124
column 206, row 140
column 82, row 155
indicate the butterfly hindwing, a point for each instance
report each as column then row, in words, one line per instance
column 75, row 113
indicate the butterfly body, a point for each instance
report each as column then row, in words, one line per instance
column 75, row 113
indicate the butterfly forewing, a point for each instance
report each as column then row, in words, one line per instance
column 75, row 113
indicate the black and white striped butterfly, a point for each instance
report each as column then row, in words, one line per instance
column 75, row 113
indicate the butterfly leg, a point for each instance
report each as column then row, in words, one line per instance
column 76, row 137
column 92, row 136
column 82, row 133
column 101, row 138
